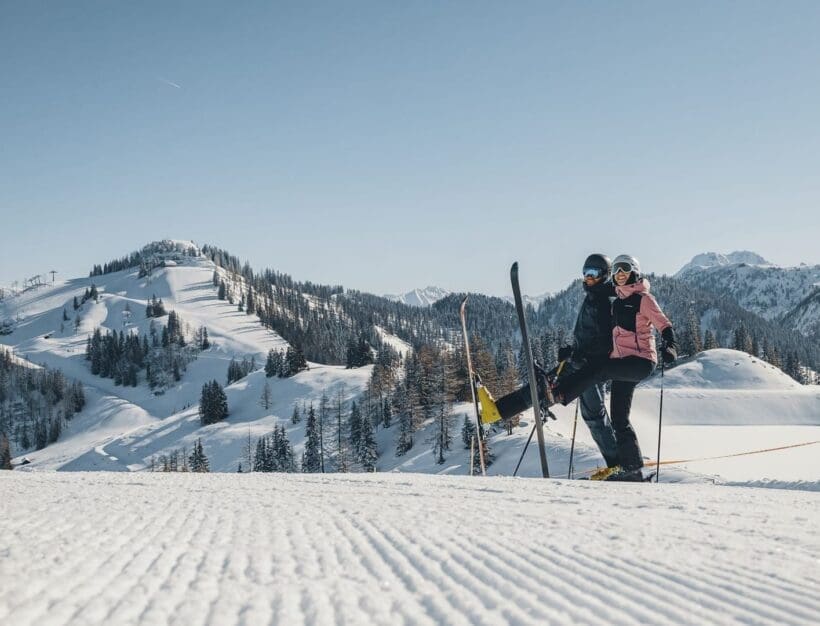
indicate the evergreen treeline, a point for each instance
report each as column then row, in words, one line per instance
column 284, row 363
column 239, row 369
column 181, row 461
column 150, row 256
column 35, row 403
column 164, row 356
column 274, row 453
column 155, row 308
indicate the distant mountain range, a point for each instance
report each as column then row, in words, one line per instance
column 420, row 297
column 769, row 290
column 709, row 260
column 430, row 295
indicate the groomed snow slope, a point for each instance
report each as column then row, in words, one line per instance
column 401, row 549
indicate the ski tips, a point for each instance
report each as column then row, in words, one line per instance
column 514, row 269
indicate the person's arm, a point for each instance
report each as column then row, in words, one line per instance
column 669, row 347
column 650, row 308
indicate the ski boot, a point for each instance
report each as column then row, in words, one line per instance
column 546, row 384
column 634, row 475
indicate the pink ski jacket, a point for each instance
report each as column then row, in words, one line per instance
column 634, row 312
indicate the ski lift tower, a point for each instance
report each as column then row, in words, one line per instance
column 53, row 273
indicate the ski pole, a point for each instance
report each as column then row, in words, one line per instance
column 572, row 447
column 660, row 424
column 532, row 432
column 524, row 451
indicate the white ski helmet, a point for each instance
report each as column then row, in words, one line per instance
column 627, row 263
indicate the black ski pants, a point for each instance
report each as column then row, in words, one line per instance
column 625, row 374
column 593, row 410
column 631, row 369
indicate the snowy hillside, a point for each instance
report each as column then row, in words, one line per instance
column 806, row 315
column 769, row 290
column 401, row 549
column 420, row 297
column 123, row 427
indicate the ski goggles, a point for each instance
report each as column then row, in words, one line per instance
column 622, row 266
column 592, row 272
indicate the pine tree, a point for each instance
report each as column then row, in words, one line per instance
column 295, row 360
column 442, row 438
column 405, row 440
column 213, row 403
column 265, row 399
column 793, row 368
column 198, row 460
column 311, row 462
column 295, row 417
column 467, row 432
column 368, row 454
column 250, row 306
column 709, row 342
column 690, row 343
column 743, row 340
column 5, row 452
column 355, row 426
column 205, row 344
column 272, row 363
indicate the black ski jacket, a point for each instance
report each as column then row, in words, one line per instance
column 593, row 328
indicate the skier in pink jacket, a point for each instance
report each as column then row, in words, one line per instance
column 633, row 358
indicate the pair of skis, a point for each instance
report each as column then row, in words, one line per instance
column 522, row 321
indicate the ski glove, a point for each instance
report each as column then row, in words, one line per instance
column 669, row 347
column 564, row 353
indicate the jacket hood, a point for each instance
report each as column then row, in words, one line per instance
column 624, row 291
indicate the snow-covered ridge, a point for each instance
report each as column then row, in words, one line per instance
column 420, row 297
column 716, row 259
column 768, row 290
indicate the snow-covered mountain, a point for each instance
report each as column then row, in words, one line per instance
column 431, row 295
column 716, row 259
column 769, row 290
column 420, row 297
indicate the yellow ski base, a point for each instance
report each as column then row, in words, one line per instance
column 489, row 412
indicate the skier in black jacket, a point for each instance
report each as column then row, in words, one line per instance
column 592, row 344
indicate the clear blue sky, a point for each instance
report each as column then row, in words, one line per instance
column 390, row 145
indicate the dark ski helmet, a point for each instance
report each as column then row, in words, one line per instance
column 599, row 262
